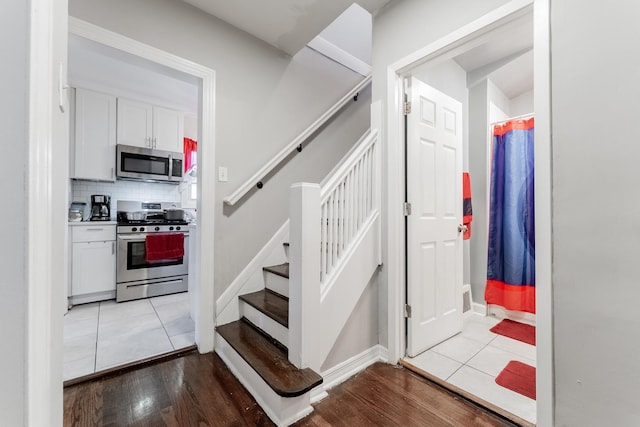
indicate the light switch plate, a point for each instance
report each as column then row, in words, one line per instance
column 222, row 174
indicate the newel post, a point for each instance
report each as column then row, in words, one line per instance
column 304, row 273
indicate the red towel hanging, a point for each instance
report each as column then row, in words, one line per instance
column 467, row 211
column 164, row 246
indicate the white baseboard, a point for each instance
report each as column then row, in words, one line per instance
column 518, row 316
column 479, row 308
column 345, row 370
column 251, row 278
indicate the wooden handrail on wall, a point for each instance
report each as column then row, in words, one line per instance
column 256, row 178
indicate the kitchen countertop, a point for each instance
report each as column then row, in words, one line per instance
column 91, row 223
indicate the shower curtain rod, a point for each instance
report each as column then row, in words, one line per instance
column 523, row 116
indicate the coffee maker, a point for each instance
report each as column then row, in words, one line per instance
column 100, row 208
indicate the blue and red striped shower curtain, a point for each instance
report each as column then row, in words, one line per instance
column 511, row 258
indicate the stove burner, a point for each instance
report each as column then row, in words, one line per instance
column 151, row 222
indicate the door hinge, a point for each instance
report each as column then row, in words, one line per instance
column 407, row 108
column 407, row 310
column 406, row 208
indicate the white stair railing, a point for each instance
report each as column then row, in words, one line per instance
column 342, row 219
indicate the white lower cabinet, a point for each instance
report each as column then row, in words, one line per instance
column 93, row 263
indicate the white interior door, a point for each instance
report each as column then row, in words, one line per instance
column 434, row 243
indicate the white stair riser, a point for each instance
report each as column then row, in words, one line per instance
column 286, row 252
column 283, row 411
column 264, row 322
column 276, row 283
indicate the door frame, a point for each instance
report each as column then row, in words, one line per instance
column 204, row 321
column 459, row 41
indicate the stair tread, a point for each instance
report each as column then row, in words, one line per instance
column 270, row 303
column 280, row 270
column 268, row 360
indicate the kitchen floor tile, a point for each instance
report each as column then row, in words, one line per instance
column 484, row 386
column 110, row 310
column 179, row 326
column 435, row 364
column 182, row 297
column 82, row 312
column 127, row 328
column 459, row 348
column 183, row 340
column 492, row 360
column 136, row 346
column 78, row 368
column 79, row 348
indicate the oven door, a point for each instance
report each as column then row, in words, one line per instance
column 132, row 265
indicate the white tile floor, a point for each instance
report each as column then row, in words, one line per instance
column 473, row 359
column 105, row 334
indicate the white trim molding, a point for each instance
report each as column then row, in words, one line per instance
column 43, row 388
column 206, row 159
column 345, row 370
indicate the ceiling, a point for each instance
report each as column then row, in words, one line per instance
column 506, row 58
column 285, row 24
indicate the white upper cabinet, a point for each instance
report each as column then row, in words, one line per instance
column 135, row 123
column 149, row 126
column 94, row 152
column 168, row 129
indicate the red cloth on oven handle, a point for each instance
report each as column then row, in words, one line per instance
column 164, row 246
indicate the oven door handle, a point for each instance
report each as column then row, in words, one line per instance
column 132, row 237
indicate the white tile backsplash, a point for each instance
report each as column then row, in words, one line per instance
column 81, row 191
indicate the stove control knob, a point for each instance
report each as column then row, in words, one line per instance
column 178, row 228
column 141, row 228
column 134, row 229
column 170, row 228
column 157, row 228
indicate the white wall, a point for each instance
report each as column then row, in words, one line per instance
column 13, row 139
column 264, row 99
column 595, row 150
column 399, row 29
column 522, row 104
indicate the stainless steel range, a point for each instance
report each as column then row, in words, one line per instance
column 137, row 275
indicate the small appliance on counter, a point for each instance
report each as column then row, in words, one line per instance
column 76, row 211
column 100, row 208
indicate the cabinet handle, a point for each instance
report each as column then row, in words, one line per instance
column 95, row 229
column 113, row 248
column 113, row 171
column 155, row 142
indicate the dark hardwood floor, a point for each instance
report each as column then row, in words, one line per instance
column 198, row 390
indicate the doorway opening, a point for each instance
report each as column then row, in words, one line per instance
column 461, row 57
column 194, row 93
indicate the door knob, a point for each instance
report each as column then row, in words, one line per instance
column 462, row 228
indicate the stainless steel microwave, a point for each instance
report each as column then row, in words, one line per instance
column 146, row 164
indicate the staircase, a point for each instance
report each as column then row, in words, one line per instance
column 256, row 346
column 278, row 344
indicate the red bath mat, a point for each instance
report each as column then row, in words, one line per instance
column 516, row 330
column 519, row 377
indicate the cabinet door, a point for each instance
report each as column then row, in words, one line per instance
column 134, row 123
column 95, row 136
column 168, row 129
column 93, row 267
